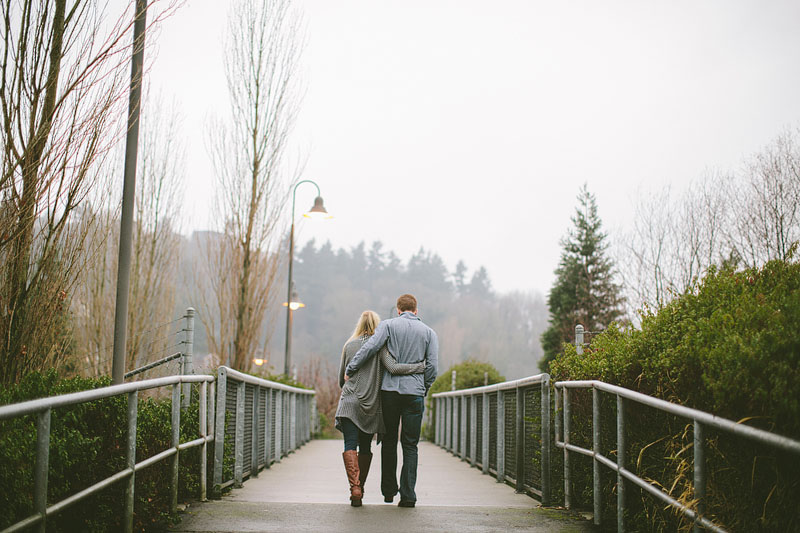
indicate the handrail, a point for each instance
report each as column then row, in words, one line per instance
column 43, row 408
column 506, row 385
column 700, row 419
column 253, row 380
column 40, row 404
column 708, row 419
column 457, row 426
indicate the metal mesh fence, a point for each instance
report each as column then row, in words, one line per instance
column 533, row 432
column 510, row 423
column 262, row 416
column 493, row 432
column 512, row 446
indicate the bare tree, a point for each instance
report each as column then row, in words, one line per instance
column 767, row 203
column 752, row 217
column 154, row 256
column 673, row 242
column 263, row 48
column 61, row 85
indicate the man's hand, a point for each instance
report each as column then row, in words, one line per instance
column 346, row 377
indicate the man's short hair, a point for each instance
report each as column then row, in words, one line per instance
column 406, row 303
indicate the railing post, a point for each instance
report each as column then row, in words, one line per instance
column 699, row 474
column 485, row 434
column 545, row 436
column 188, row 350
column 219, row 431
column 462, row 419
column 596, row 449
column 579, row 339
column 238, row 441
column 567, row 499
column 278, row 425
column 293, row 421
column 520, row 440
column 203, row 433
column 176, row 440
column 501, row 437
column 130, row 460
column 473, row 430
column 254, row 431
column 268, row 429
column 448, row 423
column 620, row 464
column 437, row 433
column 42, row 467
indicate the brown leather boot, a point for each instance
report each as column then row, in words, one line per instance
column 364, row 460
column 351, row 467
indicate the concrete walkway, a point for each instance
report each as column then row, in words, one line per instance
column 308, row 491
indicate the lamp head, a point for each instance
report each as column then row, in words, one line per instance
column 318, row 211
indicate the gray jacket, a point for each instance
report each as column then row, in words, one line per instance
column 409, row 340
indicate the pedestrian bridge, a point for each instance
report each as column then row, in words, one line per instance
column 490, row 464
column 308, row 491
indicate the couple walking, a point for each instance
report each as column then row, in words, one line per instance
column 387, row 369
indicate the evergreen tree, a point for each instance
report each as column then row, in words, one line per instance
column 584, row 292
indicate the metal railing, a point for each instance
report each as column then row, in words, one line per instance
column 701, row 420
column 264, row 420
column 503, row 428
column 43, row 408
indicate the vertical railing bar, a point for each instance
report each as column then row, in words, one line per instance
column 520, row 440
column 596, row 449
column 254, row 431
column 176, row 440
column 567, row 499
column 42, row 467
column 278, row 425
column 462, row 418
column 699, row 475
column 219, row 431
column 501, row 437
column 130, row 460
column 267, row 428
column 545, row 436
column 238, row 446
column 485, row 434
column 293, row 421
column 473, row 434
column 203, row 433
column 620, row 464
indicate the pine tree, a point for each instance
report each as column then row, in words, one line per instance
column 584, row 292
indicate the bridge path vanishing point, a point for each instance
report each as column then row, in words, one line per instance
column 307, row 491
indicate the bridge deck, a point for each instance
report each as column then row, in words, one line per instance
column 307, row 491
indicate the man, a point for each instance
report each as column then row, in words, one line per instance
column 402, row 397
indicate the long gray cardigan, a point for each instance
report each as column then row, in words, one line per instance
column 360, row 400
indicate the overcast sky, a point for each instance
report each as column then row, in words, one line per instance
column 468, row 127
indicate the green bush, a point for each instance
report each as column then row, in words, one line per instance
column 469, row 374
column 87, row 444
column 729, row 347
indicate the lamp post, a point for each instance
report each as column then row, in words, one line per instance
column 317, row 211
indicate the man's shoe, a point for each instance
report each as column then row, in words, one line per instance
column 388, row 499
column 406, row 504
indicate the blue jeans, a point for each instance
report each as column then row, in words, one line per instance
column 354, row 436
column 397, row 408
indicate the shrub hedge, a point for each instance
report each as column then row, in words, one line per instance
column 730, row 346
column 87, row 444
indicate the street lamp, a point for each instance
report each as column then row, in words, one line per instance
column 292, row 302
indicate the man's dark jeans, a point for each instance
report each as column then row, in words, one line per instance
column 397, row 408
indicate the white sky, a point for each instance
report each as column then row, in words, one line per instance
column 468, row 127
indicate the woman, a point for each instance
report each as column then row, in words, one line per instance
column 359, row 414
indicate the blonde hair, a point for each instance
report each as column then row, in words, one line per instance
column 366, row 324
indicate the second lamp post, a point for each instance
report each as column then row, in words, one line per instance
column 317, row 211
